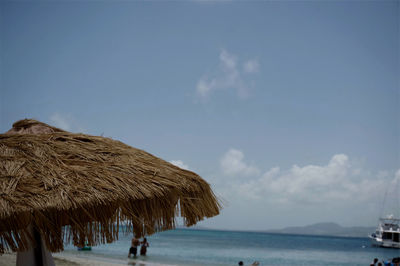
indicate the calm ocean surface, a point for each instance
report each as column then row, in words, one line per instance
column 209, row 247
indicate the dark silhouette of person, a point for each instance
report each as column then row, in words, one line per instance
column 133, row 249
column 143, row 248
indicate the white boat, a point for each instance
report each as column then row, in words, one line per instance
column 388, row 233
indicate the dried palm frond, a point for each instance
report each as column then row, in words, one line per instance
column 78, row 188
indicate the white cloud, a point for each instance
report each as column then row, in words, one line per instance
column 228, row 76
column 228, row 60
column 396, row 177
column 251, row 66
column 336, row 181
column 180, row 164
column 60, row 121
column 65, row 122
column 342, row 190
column 232, row 164
column 204, row 87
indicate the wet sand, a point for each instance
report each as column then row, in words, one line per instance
column 61, row 259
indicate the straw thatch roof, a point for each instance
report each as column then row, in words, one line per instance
column 50, row 178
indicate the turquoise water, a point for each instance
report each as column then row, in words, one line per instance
column 209, row 247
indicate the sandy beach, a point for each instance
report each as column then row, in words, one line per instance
column 62, row 259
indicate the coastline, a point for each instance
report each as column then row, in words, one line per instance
column 62, row 259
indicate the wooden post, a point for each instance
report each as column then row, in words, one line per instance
column 37, row 255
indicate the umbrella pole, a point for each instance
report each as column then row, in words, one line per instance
column 37, row 255
column 37, row 251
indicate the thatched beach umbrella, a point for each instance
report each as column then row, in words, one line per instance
column 78, row 188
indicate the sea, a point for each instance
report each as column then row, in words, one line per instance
column 192, row 247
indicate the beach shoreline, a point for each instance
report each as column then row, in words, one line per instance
column 62, row 259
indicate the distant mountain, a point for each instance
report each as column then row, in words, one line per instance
column 194, row 227
column 327, row 229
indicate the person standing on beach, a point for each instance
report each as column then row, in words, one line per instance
column 134, row 245
column 144, row 247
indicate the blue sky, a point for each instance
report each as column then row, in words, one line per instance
column 288, row 109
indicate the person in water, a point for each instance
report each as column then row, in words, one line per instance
column 133, row 250
column 145, row 245
column 374, row 262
